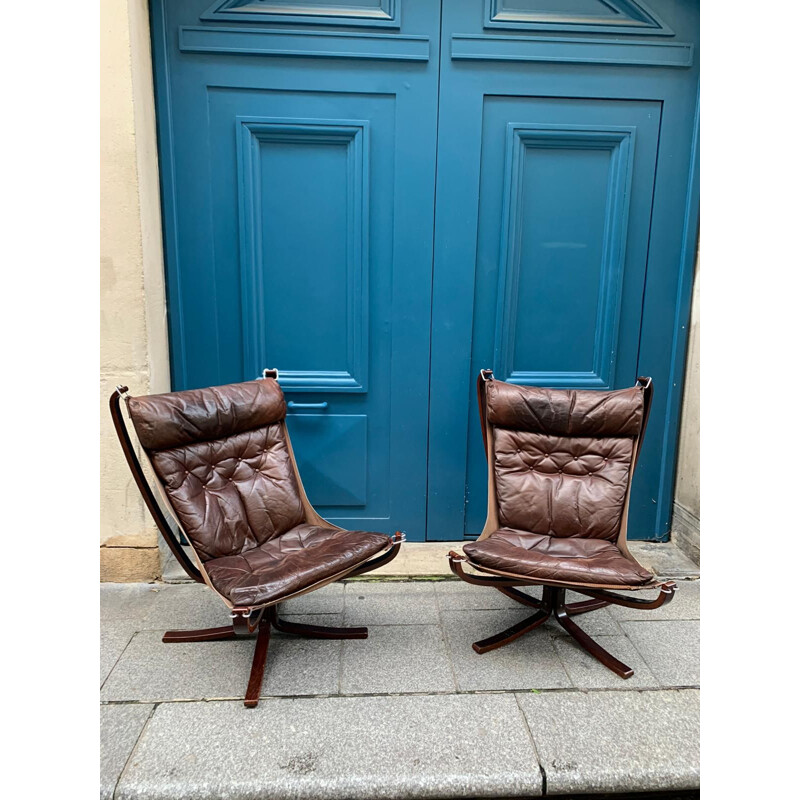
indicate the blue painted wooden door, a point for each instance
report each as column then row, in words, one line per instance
column 562, row 216
column 298, row 167
column 302, row 146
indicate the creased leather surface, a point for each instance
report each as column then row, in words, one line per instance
column 223, row 459
column 290, row 562
column 232, row 494
column 549, row 558
column 564, row 412
column 179, row 418
column 559, row 485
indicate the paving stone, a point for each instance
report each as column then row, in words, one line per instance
column 452, row 595
column 113, row 640
column 531, row 662
column 327, row 600
column 297, row 666
column 670, row 648
column 436, row 746
column 586, row 672
column 685, row 604
column 326, row 620
column 397, row 658
column 126, row 601
column 150, row 670
column 188, row 606
column 120, row 727
column 395, row 603
column 616, row 741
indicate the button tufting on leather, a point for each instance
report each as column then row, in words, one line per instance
column 266, row 505
column 540, row 504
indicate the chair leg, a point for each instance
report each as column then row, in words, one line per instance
column 202, row 635
column 319, row 631
column 259, row 661
column 510, row 634
column 573, row 609
column 584, row 640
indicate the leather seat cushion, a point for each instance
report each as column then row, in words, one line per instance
column 291, row 562
column 569, row 560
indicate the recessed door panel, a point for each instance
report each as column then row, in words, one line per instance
column 563, row 227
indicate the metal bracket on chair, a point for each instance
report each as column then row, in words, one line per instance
column 270, row 373
column 487, row 375
column 247, row 619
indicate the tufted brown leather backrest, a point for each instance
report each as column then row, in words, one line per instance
column 222, row 457
column 562, row 459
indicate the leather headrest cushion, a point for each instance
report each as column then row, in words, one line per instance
column 200, row 415
column 564, row 412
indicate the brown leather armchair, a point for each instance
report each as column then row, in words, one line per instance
column 560, row 470
column 227, row 475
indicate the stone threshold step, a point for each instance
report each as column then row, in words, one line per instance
column 423, row 746
column 429, row 560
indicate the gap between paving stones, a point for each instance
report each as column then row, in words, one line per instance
column 555, row 690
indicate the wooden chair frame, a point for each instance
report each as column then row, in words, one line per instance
column 246, row 621
column 553, row 601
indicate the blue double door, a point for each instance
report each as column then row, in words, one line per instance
column 380, row 197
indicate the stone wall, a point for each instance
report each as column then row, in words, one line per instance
column 686, row 509
column 133, row 310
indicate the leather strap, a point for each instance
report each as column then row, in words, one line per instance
column 647, row 388
column 483, row 376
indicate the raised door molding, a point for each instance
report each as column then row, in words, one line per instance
column 618, row 141
column 372, row 13
column 586, row 16
column 341, row 330
column 302, row 43
column 484, row 47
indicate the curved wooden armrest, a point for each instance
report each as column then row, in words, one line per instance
column 397, row 540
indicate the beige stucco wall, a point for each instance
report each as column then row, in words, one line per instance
column 686, row 509
column 133, row 310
